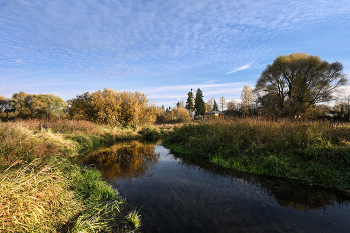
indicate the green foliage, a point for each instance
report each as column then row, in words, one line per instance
column 296, row 82
column 199, row 104
column 24, row 106
column 190, row 101
column 215, row 107
column 150, row 134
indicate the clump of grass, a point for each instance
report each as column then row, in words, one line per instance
column 134, row 218
column 52, row 195
column 34, row 197
column 313, row 151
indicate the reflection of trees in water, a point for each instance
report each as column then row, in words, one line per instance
column 286, row 192
column 125, row 160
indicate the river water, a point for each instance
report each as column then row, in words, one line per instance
column 174, row 194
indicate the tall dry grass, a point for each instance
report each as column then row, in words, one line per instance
column 311, row 150
column 41, row 190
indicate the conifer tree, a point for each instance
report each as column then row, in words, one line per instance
column 190, row 100
column 215, row 107
column 199, row 104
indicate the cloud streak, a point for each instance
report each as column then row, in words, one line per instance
column 239, row 68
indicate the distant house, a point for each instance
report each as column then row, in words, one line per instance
column 214, row 114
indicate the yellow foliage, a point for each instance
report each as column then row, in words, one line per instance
column 110, row 107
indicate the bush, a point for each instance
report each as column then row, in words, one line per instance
column 150, row 134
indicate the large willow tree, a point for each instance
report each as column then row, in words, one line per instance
column 293, row 83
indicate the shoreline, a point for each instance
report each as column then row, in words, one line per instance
column 245, row 145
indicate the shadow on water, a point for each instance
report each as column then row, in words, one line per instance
column 181, row 194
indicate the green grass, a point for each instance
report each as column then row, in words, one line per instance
column 316, row 152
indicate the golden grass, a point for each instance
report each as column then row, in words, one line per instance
column 35, row 197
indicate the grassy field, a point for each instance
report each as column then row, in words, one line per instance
column 42, row 189
column 315, row 152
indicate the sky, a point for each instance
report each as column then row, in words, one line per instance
column 162, row 48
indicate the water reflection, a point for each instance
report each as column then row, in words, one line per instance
column 123, row 160
column 179, row 194
column 286, row 192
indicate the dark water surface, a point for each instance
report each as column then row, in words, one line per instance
column 179, row 195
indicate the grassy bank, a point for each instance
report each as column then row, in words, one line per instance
column 42, row 189
column 316, row 152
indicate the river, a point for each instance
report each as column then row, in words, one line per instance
column 174, row 194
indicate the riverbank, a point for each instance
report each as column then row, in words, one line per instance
column 314, row 152
column 42, row 188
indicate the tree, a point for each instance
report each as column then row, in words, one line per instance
column 207, row 107
column 293, row 83
column 110, row 107
column 182, row 115
column 182, row 104
column 222, row 102
column 247, row 98
column 5, row 103
column 190, row 101
column 211, row 102
column 231, row 105
column 199, row 104
column 215, row 107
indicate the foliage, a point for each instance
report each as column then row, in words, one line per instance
column 247, row 98
column 190, row 101
column 199, row 104
column 150, row 134
column 231, row 105
column 215, row 106
column 112, row 107
column 182, row 115
column 295, row 82
column 207, row 107
column 24, row 106
column 317, row 152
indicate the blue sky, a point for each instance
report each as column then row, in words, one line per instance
column 161, row 48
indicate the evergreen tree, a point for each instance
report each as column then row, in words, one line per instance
column 199, row 104
column 189, row 102
column 215, row 107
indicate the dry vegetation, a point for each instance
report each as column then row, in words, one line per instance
column 43, row 190
column 317, row 152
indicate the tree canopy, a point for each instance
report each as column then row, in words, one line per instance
column 109, row 106
column 294, row 82
column 23, row 105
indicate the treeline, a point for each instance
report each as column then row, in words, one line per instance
column 105, row 107
column 294, row 85
column 25, row 106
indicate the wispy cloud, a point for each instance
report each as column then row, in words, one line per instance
column 239, row 68
column 120, row 38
